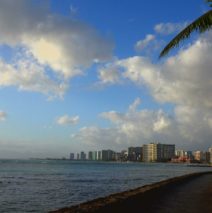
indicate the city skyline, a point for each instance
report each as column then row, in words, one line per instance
column 151, row 152
column 86, row 75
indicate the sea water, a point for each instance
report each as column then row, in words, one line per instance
column 44, row 185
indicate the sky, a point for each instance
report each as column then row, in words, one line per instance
column 80, row 75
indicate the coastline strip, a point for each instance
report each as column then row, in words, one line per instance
column 142, row 197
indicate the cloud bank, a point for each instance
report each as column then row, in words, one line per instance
column 65, row 45
column 183, row 80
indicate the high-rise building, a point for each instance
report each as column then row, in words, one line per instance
column 207, row 157
column 82, row 156
column 180, row 153
column 99, row 155
column 150, row 152
column 107, row 155
column 123, row 155
column 94, row 155
column 135, row 153
column 71, row 156
column 78, row 156
column 198, row 155
column 189, row 154
column 165, row 152
column 90, row 155
column 210, row 151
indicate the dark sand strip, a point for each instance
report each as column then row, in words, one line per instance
column 188, row 194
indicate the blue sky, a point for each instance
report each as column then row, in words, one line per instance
column 85, row 75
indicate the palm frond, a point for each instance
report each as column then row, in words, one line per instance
column 201, row 24
column 209, row 2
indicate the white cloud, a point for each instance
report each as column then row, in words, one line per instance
column 169, row 28
column 66, row 45
column 67, row 120
column 162, row 122
column 100, row 138
column 131, row 128
column 141, row 44
column 135, row 123
column 3, row 116
column 134, row 105
column 109, row 75
column 29, row 76
column 183, row 80
column 186, row 129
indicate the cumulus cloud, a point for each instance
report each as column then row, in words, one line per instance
column 29, row 76
column 3, row 115
column 183, row 80
column 141, row 44
column 169, row 28
column 109, row 74
column 65, row 45
column 135, row 123
column 98, row 137
column 135, row 127
column 67, row 120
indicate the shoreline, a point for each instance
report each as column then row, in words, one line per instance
column 138, row 197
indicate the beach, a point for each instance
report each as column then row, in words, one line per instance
column 191, row 193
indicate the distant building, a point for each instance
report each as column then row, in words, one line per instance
column 99, row 155
column 78, row 156
column 108, row 155
column 207, row 157
column 90, row 155
column 189, row 154
column 94, row 155
column 122, row 156
column 150, row 152
column 117, row 156
column 135, row 153
column 198, row 155
column 71, row 156
column 165, row 152
column 82, row 156
column 210, row 158
column 180, row 153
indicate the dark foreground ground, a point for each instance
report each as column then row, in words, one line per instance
column 187, row 194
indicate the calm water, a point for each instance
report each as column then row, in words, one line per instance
column 43, row 185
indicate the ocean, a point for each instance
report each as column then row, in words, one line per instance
column 44, row 185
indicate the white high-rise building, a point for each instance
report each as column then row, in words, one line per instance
column 150, row 152
column 99, row 155
column 180, row 153
column 198, row 155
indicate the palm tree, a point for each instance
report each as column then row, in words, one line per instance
column 201, row 24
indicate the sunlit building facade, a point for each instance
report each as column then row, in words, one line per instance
column 150, row 152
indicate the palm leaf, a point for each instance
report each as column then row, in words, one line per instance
column 201, row 24
column 209, row 2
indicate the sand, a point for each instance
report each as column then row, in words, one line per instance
column 188, row 194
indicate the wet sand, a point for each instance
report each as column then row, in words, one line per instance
column 188, row 194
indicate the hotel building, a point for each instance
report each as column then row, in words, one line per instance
column 150, row 152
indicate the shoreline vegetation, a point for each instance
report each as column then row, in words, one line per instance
column 171, row 195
